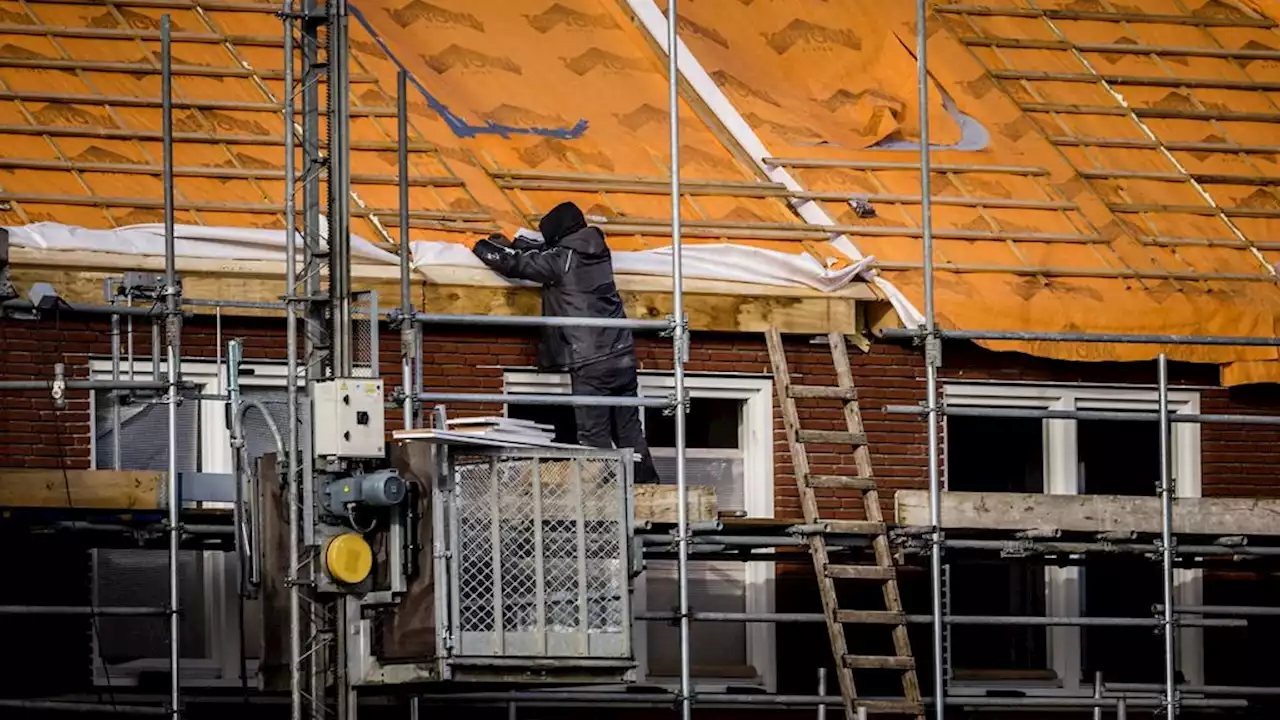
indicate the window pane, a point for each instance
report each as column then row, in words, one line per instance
column 974, row 466
column 717, row 649
column 711, row 423
column 1122, row 586
column 996, row 455
column 722, row 473
column 1118, row 457
column 144, row 434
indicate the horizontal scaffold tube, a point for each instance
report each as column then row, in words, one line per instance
column 534, row 399
column 89, row 385
column 1122, row 415
column 885, row 618
column 81, row 610
column 541, row 321
column 660, row 699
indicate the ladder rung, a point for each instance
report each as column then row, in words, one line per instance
column 860, row 572
column 871, row 617
column 840, row 482
column 891, row 707
column 837, row 437
column 822, row 391
column 879, row 662
column 854, row 527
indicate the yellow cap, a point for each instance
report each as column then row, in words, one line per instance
column 348, row 558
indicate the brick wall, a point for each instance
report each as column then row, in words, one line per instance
column 1237, row 460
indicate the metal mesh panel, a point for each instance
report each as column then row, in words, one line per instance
column 144, row 434
column 364, row 334
column 541, row 561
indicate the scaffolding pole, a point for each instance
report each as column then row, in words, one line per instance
column 679, row 341
column 408, row 330
column 173, row 327
column 932, row 359
column 1166, row 541
column 292, row 494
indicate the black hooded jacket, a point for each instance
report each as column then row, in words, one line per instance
column 575, row 268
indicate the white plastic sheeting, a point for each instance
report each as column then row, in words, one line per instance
column 190, row 241
column 719, row 261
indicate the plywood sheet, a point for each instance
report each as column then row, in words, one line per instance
column 83, row 489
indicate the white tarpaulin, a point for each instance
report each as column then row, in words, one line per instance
column 190, row 241
column 720, row 261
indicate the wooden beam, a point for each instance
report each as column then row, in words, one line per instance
column 1151, row 112
column 909, row 166
column 1205, row 210
column 218, row 173
column 1174, row 146
column 83, row 489
column 1123, row 49
column 1090, row 513
column 1097, row 16
column 1176, row 177
column 711, row 305
column 193, row 137
column 1138, row 80
column 447, row 216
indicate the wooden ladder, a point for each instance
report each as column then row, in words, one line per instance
column 884, row 572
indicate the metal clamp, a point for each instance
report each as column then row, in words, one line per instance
column 673, row 404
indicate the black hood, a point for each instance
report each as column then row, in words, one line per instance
column 564, row 219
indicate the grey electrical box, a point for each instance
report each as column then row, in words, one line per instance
column 349, row 418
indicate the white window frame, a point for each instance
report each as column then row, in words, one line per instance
column 757, row 447
column 1064, row 589
column 222, row 667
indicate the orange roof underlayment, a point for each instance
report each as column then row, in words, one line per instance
column 1099, row 166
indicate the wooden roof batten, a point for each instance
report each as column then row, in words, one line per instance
column 1137, row 115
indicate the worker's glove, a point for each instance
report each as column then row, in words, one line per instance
column 493, row 250
column 522, row 243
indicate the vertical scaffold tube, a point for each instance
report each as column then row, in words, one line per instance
column 678, row 339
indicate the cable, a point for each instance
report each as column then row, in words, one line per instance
column 71, row 508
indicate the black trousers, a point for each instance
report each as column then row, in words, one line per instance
column 610, row 427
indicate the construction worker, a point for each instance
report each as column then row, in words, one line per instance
column 574, row 267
